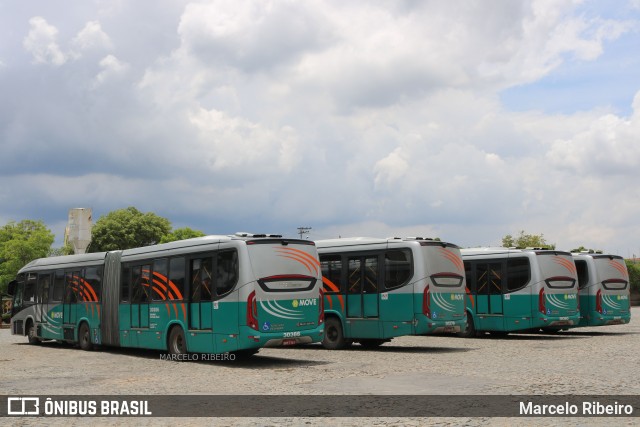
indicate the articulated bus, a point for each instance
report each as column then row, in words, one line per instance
column 603, row 289
column 377, row 289
column 213, row 294
column 519, row 290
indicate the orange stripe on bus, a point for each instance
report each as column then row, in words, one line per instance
column 301, row 256
column 328, row 297
column 620, row 268
column 332, row 286
column 569, row 265
column 456, row 260
column 470, row 297
column 301, row 261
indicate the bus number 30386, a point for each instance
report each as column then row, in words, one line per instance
column 291, row 334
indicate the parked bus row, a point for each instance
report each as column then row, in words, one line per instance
column 239, row 293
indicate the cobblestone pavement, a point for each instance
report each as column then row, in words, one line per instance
column 592, row 361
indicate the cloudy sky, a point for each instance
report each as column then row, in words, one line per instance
column 463, row 120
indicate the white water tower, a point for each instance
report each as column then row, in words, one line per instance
column 78, row 232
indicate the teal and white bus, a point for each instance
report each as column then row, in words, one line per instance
column 377, row 289
column 519, row 290
column 213, row 294
column 603, row 289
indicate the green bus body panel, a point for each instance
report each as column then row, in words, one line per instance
column 397, row 314
column 520, row 312
column 616, row 310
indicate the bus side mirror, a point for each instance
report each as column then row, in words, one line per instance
column 12, row 287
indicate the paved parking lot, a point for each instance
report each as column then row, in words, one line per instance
column 601, row 360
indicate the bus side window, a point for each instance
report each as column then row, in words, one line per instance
column 92, row 280
column 159, row 281
column 371, row 275
column 471, row 280
column 44, row 281
column 354, row 276
column 226, row 271
column 70, row 295
column 201, row 279
column 331, row 266
column 583, row 273
column 17, row 297
column 58, row 286
column 125, row 282
column 140, row 284
column 397, row 265
column 29, row 295
column 176, row 278
column 517, row 273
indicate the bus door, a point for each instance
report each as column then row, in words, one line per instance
column 489, row 288
column 44, row 281
column 140, row 296
column 200, row 305
column 362, row 287
column 69, row 309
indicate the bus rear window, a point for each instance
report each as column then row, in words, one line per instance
column 614, row 284
column 561, row 282
column 287, row 283
column 447, row 280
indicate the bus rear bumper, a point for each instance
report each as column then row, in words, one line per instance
column 255, row 339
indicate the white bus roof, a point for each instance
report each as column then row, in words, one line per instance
column 504, row 251
column 357, row 241
column 71, row 260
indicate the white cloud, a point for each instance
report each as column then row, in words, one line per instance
column 111, row 67
column 233, row 143
column 352, row 117
column 41, row 43
column 91, row 37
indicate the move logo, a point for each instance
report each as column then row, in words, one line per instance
column 304, row 302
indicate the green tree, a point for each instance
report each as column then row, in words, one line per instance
column 127, row 228
column 181, row 234
column 526, row 241
column 634, row 274
column 64, row 250
column 21, row 243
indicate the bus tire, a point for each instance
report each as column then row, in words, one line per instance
column 372, row 343
column 333, row 335
column 469, row 330
column 177, row 342
column 31, row 334
column 84, row 337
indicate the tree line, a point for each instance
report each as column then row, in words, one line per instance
column 24, row 241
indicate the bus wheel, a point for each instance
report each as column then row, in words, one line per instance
column 372, row 343
column 177, row 343
column 84, row 337
column 333, row 335
column 470, row 330
column 31, row 334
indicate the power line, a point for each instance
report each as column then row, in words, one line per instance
column 303, row 230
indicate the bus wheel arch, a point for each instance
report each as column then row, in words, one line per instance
column 84, row 336
column 334, row 334
column 469, row 330
column 30, row 332
column 176, row 341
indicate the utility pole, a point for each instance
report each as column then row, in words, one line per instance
column 303, row 230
